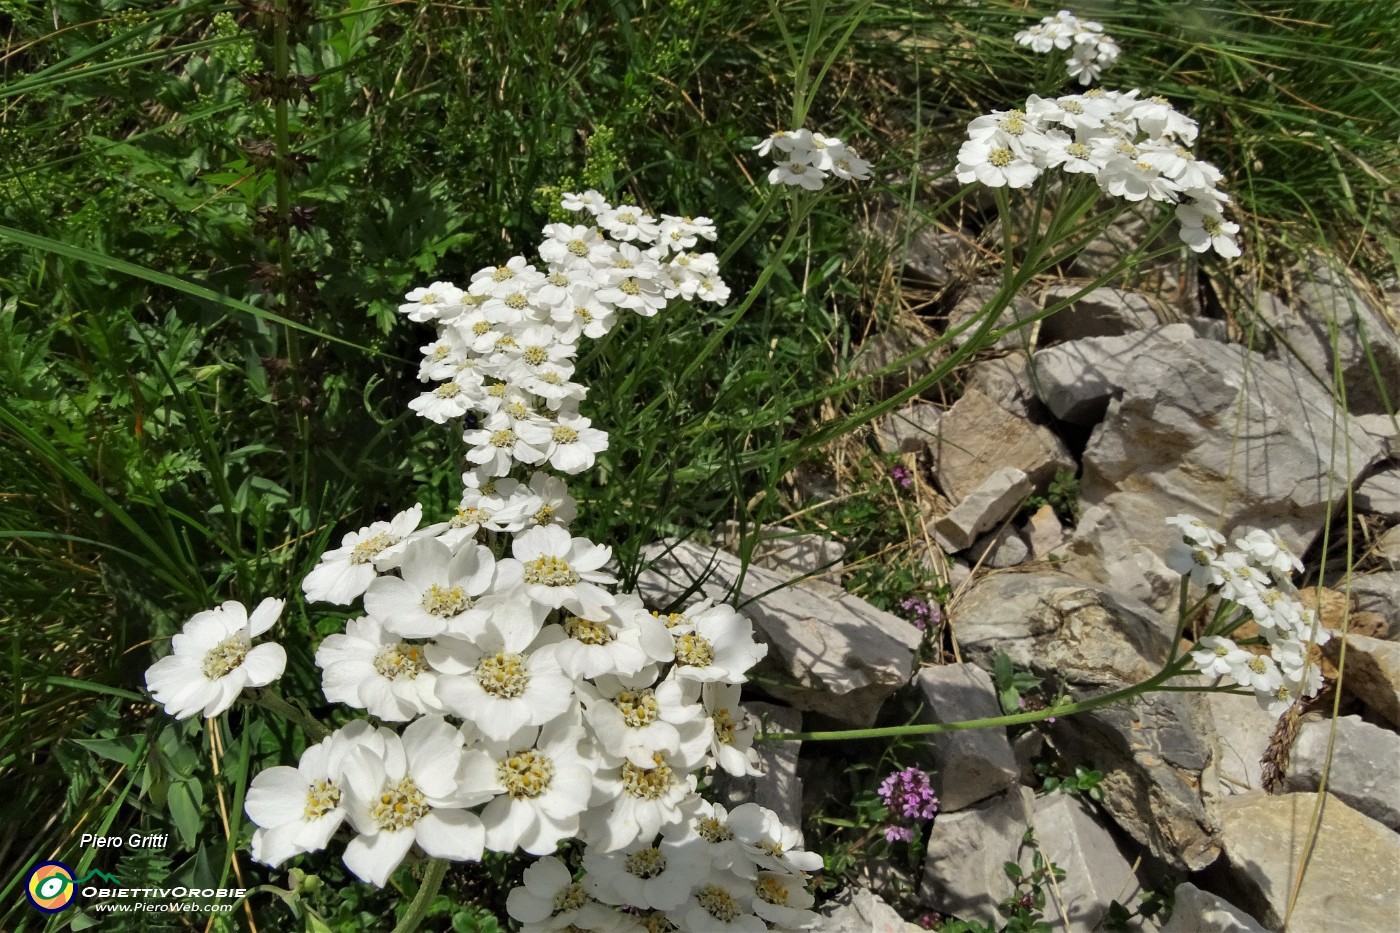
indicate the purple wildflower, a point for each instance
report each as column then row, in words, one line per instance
column 898, row 834
column 902, row 475
column 920, row 612
column 909, row 794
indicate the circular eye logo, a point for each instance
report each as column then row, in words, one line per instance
column 49, row 886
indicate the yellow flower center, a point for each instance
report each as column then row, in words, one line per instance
column 468, row 516
column 646, row 863
column 1000, row 157
column 503, row 675
column 629, row 286
column 724, row 726
column 587, row 631
column 694, row 649
column 322, row 796
column 445, row 601
column 448, row 390
column 370, row 548
column 570, row 897
column 503, row 438
column 517, row 301
column 713, row 830
column 772, row 890
column 400, row 660
column 578, row 248
column 225, row 657
column 550, row 571
column 543, row 515
column 648, row 783
column 638, row 707
column 565, row 435
column 535, row 356
column 503, row 274
column 525, row 774
column 399, row 806
column 718, row 903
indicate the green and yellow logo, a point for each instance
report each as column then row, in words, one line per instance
column 51, row 885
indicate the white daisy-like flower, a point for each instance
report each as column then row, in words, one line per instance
column 629, row 222
column 590, row 201
column 427, row 304
column 1237, row 578
column 213, row 659
column 1196, row 531
column 1270, row 552
column 345, row 573
column 436, row 593
column 623, row 640
column 550, row 899
column 731, row 747
column 797, row 173
column 708, row 830
column 373, row 670
column 1218, row 657
column 546, row 501
column 541, row 783
column 408, row 791
column 637, row 803
column 560, row 571
column 995, row 166
column 501, row 680
column 501, row 442
column 770, row 845
column 575, row 444
column 647, row 873
column 299, row 809
column 1203, row 228
column 639, row 722
column 571, row 245
column 451, row 399
column 721, row 902
column 1258, row 672
column 782, row 899
column 717, row 644
column 517, row 275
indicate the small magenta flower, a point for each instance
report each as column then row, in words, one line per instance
column 902, row 475
column 898, row 834
column 921, row 613
column 909, row 794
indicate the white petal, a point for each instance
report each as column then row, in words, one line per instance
column 374, row 858
column 276, row 796
column 451, row 834
column 264, row 664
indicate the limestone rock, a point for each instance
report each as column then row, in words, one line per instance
column 972, row 764
column 1353, row 876
column 1365, row 763
column 1197, row 911
column 963, row 865
column 1103, row 312
column 1044, row 533
column 1387, row 549
column 1380, row 494
column 1325, row 299
column 840, row 655
column 788, row 551
column 1007, row 380
column 971, row 310
column 1076, row 380
column 1379, row 593
column 1244, row 730
column 1206, row 425
column 1157, row 751
column 982, row 509
column 1372, row 673
column 1005, row 548
column 977, row 437
column 883, row 349
column 909, row 430
column 778, row 788
column 1383, row 429
column 862, row 912
column 1102, row 550
column 963, row 873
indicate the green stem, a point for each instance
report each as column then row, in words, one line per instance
column 1154, row 682
column 274, row 703
column 427, row 890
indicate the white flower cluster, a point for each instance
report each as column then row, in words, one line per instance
column 540, row 705
column 1255, row 578
column 1136, row 149
column 213, row 659
column 1092, row 50
column 806, row 159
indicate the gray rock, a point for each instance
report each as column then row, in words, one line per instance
column 933, row 256
column 1387, row 549
column 1352, row 882
column 1379, row 593
column 978, row 437
column 1211, row 425
column 1383, row 429
column 788, row 551
column 1157, row 751
column 1372, row 673
column 1325, row 301
column 1077, row 380
column 1007, row 381
column 778, row 788
column 1005, row 548
column 1101, row 550
column 1197, row 911
column 1244, row 730
column 882, row 350
column 1096, row 873
column 862, row 911
column 971, row 310
column 910, row 430
column 838, row 655
column 972, row 764
column 997, row 497
column 1380, row 494
column 1044, row 532
column 1365, row 763
column 1103, row 312
column 963, row 863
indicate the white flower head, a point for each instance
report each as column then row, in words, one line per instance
column 437, row 591
column 367, row 668
column 717, row 644
column 560, row 571
column 345, row 573
column 500, row 680
column 213, row 659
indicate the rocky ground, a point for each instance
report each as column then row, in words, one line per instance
column 1159, row 404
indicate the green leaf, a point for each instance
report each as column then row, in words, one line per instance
column 1013, row 871
column 184, row 810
